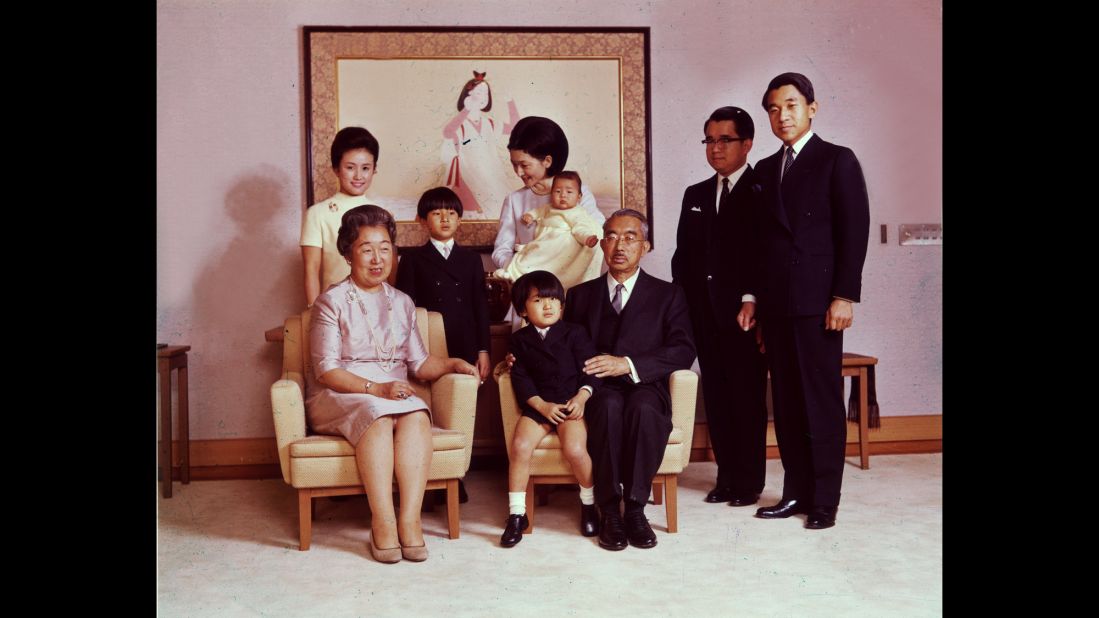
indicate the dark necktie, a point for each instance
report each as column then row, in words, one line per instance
column 789, row 161
column 725, row 191
column 616, row 302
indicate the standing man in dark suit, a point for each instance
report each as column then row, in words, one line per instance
column 813, row 227
column 712, row 262
column 641, row 328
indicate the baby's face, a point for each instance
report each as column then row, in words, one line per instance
column 565, row 194
column 542, row 311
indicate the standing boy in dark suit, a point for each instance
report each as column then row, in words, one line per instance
column 442, row 276
column 713, row 260
column 814, row 226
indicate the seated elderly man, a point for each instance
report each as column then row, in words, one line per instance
column 642, row 331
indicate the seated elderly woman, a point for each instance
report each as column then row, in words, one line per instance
column 364, row 342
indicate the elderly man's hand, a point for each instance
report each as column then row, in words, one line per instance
column 606, row 366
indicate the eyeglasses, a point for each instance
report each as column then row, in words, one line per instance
column 725, row 140
column 626, row 240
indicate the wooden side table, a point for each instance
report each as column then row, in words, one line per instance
column 167, row 359
column 854, row 367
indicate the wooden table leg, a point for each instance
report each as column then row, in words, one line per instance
column 166, row 427
column 184, row 427
column 864, row 420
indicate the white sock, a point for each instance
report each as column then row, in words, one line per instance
column 587, row 494
column 517, row 502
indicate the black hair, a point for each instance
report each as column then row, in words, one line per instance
column 439, row 197
column 352, row 138
column 797, row 80
column 547, row 285
column 541, row 137
column 743, row 122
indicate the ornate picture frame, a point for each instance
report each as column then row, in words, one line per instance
column 405, row 85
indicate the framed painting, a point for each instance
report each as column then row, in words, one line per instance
column 413, row 88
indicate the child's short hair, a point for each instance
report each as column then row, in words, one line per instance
column 568, row 175
column 439, row 197
column 545, row 282
column 352, row 138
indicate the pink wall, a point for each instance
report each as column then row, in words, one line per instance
column 230, row 167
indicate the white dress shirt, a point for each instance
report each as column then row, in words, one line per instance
column 627, row 290
column 444, row 248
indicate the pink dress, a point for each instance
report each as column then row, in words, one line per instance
column 340, row 336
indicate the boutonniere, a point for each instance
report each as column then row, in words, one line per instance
column 333, row 207
column 352, row 295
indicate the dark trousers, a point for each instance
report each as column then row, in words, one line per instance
column 628, row 428
column 734, row 387
column 807, row 391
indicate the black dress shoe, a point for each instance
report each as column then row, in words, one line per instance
column 513, row 530
column 785, row 508
column 719, row 494
column 639, row 531
column 612, row 535
column 743, row 499
column 589, row 520
column 821, row 517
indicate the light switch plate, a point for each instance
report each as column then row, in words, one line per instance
column 921, row 234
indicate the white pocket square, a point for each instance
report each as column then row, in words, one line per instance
column 696, row 209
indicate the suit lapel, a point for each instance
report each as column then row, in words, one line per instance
column 535, row 341
column 709, row 214
column 795, row 185
column 446, row 266
column 738, row 197
column 636, row 306
column 595, row 306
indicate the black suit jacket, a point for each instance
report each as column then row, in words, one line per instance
column 454, row 287
column 654, row 328
column 813, row 229
column 551, row 368
column 715, row 253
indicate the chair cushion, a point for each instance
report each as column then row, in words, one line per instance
column 336, row 446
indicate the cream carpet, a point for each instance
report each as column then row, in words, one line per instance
column 229, row 548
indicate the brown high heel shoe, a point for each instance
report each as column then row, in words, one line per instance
column 389, row 555
column 415, row 553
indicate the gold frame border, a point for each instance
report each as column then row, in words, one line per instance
column 325, row 47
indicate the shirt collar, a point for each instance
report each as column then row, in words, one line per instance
column 627, row 284
column 734, row 177
column 798, row 145
column 439, row 246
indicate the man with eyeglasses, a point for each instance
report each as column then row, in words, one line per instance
column 642, row 331
column 813, row 228
column 713, row 260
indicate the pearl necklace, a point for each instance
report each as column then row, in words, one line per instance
column 385, row 349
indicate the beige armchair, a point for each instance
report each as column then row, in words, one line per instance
column 548, row 465
column 319, row 465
